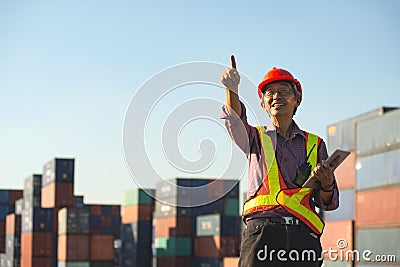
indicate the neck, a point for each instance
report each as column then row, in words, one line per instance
column 283, row 127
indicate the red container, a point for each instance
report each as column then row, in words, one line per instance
column 14, row 195
column 135, row 213
column 216, row 246
column 116, row 210
column 2, row 243
column 13, row 224
column 73, row 247
column 36, row 262
column 173, row 262
column 36, row 244
column 2, row 227
column 105, row 221
column 57, row 195
column 173, row 226
column 95, row 210
column 338, row 235
column 345, row 174
column 101, row 248
column 378, row 208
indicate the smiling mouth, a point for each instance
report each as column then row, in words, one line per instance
column 278, row 105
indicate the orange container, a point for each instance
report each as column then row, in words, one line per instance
column 13, row 224
column 36, row 244
column 57, row 194
column 173, row 226
column 379, row 207
column 73, row 247
column 36, row 262
column 231, row 261
column 345, row 174
column 338, row 235
column 135, row 213
column 216, row 246
column 101, row 248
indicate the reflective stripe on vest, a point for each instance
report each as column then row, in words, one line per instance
column 274, row 192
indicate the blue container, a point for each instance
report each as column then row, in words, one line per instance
column 95, row 221
column 3, row 211
column 37, row 220
column 4, row 196
column 79, row 202
column 345, row 211
column 58, row 170
column 209, row 262
column 106, row 210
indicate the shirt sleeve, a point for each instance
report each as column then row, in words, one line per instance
column 334, row 204
column 242, row 134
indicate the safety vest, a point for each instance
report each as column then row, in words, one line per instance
column 274, row 192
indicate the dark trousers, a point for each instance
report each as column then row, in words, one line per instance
column 273, row 244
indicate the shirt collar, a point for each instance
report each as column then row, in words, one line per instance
column 295, row 131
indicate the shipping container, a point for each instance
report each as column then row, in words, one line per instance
column 336, row 263
column 378, row 208
column 101, row 264
column 345, row 173
column 79, row 203
column 37, row 220
column 13, row 262
column 139, row 196
column 230, row 261
column 378, row 134
column 136, row 213
column 4, row 211
column 338, row 235
column 36, row 244
column 13, row 246
column 173, row 246
column 174, row 226
column 172, row 261
column 168, row 189
column 101, row 248
column 3, row 259
column 216, row 224
column 137, row 231
column 36, row 262
column 14, row 195
column 167, row 210
column 13, row 224
column 4, row 195
column 345, row 211
column 207, row 262
column 380, row 241
column 342, row 134
column 57, row 195
column 378, row 170
column 19, row 206
column 223, row 188
column 73, row 264
column 216, row 246
column 73, row 221
column 73, row 247
column 58, row 170
column 33, row 186
column 2, row 243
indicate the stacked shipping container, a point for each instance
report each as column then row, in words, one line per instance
column 7, row 206
column 378, row 185
column 177, row 211
column 137, row 228
column 340, row 224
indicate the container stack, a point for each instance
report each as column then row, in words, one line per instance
column 137, row 228
column 340, row 223
column 13, row 240
column 7, row 206
column 73, row 237
column 105, row 225
column 176, row 213
column 378, row 185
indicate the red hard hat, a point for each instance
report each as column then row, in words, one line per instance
column 277, row 74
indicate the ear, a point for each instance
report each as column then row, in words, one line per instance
column 262, row 104
column 299, row 98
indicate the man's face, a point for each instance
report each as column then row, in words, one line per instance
column 279, row 99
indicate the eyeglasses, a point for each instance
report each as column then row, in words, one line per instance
column 283, row 91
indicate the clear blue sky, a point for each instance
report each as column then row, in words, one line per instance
column 68, row 70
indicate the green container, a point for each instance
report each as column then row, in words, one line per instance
column 231, row 206
column 73, row 264
column 173, row 246
column 138, row 196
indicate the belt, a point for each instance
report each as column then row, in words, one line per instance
column 278, row 220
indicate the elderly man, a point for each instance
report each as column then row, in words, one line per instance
column 282, row 226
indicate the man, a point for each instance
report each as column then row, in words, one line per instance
column 282, row 228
